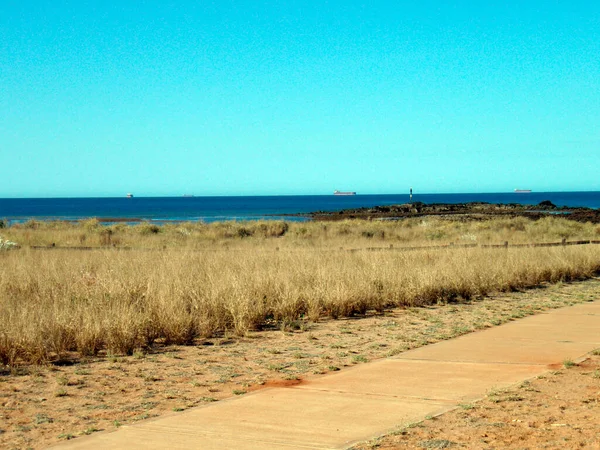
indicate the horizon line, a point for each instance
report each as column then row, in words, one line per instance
column 299, row 195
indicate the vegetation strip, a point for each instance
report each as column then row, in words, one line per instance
column 40, row 405
column 238, row 277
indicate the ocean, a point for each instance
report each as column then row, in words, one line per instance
column 211, row 209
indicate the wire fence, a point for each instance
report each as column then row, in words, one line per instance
column 505, row 245
column 391, row 247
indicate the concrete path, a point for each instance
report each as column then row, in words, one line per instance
column 356, row 404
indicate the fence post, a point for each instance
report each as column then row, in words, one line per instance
column 564, row 241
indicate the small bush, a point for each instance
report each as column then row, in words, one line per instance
column 435, row 235
column 31, row 224
column 106, row 237
column 10, row 350
column 273, row 229
column 147, row 228
column 243, row 232
column 369, row 234
column 5, row 244
column 344, row 230
column 90, row 224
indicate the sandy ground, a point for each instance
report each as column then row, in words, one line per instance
column 560, row 409
column 43, row 405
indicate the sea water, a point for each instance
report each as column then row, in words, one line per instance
column 210, row 209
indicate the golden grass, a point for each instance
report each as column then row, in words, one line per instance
column 349, row 233
column 215, row 278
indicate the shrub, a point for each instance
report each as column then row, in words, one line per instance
column 243, row 232
column 146, row 228
column 31, row 224
column 344, row 230
column 435, row 235
column 273, row 229
column 90, row 224
column 5, row 244
column 369, row 234
column 106, row 237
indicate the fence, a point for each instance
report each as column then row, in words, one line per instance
column 506, row 244
column 451, row 245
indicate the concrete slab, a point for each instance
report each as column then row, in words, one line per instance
column 584, row 319
column 428, row 380
column 550, row 328
column 548, row 338
column 480, row 347
column 129, row 438
column 272, row 418
column 588, row 308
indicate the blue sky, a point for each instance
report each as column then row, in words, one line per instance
column 284, row 97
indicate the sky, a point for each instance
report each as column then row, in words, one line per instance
column 165, row 98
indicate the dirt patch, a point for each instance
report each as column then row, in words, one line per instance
column 278, row 384
column 40, row 406
column 559, row 409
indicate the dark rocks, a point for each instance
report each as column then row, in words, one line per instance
column 547, row 204
column 461, row 211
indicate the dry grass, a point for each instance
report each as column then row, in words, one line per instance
column 269, row 235
column 238, row 277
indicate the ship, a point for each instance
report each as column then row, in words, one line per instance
column 522, row 191
column 129, row 195
column 344, row 193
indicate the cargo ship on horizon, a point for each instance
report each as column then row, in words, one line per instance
column 522, row 191
column 344, row 193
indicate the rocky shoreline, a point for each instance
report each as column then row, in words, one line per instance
column 461, row 211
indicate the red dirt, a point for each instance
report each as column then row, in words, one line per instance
column 278, row 384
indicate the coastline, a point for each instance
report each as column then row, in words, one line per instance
column 219, row 209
